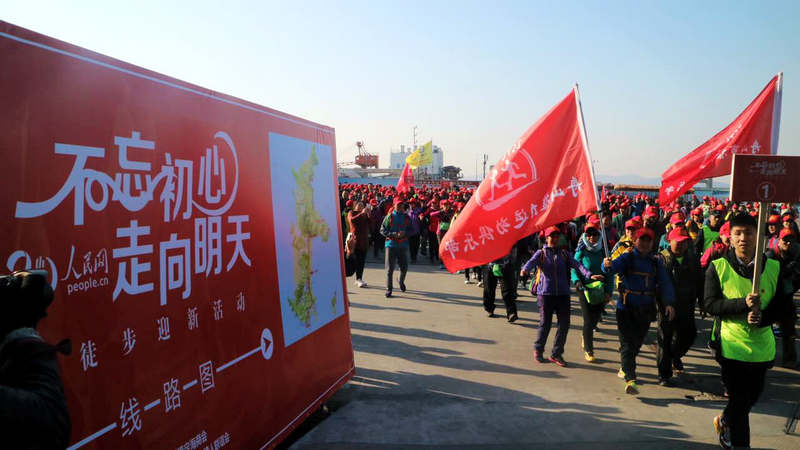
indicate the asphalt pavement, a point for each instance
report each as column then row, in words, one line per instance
column 433, row 371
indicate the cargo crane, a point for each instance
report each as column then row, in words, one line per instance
column 365, row 159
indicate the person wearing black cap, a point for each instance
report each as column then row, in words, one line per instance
column 33, row 410
column 709, row 233
column 741, row 337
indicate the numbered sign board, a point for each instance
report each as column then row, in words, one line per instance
column 765, row 178
column 194, row 243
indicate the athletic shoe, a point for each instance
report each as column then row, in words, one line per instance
column 666, row 382
column 631, row 387
column 724, row 433
column 677, row 365
column 402, row 286
column 388, row 293
column 480, row 283
column 490, row 313
column 513, row 317
column 537, row 355
column 620, row 374
column 559, row 361
column 467, row 281
column 589, row 357
column 441, row 266
column 360, row 283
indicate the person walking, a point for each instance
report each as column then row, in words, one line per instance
column 359, row 222
column 788, row 255
column 395, row 228
column 503, row 269
column 592, row 298
column 643, row 278
column 742, row 339
column 675, row 337
column 551, row 286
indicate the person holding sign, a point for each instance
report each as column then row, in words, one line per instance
column 742, row 338
column 592, row 294
column 643, row 277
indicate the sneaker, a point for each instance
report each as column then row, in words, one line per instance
column 360, row 283
column 724, row 433
column 620, row 374
column 677, row 365
column 480, row 283
column 665, row 382
column 467, row 281
column 537, row 355
column 441, row 266
column 490, row 313
column 388, row 293
column 558, row 360
column 513, row 317
column 589, row 357
column 631, row 387
column 402, row 286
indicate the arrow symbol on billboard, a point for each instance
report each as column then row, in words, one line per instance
column 267, row 343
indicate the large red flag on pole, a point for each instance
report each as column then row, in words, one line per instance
column 406, row 180
column 754, row 131
column 545, row 178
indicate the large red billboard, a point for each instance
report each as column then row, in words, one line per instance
column 194, row 245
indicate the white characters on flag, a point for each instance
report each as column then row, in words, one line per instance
column 217, row 304
column 240, row 303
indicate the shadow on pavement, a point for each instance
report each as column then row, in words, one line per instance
column 417, row 332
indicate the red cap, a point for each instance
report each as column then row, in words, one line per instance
column 787, row 217
column 697, row 211
column 725, row 230
column 651, row 211
column 373, row 202
column 551, row 230
column 785, row 232
column 398, row 200
column 645, row 232
column 632, row 224
column 678, row 234
column 719, row 208
column 348, row 203
column 774, row 219
column 676, row 218
column 593, row 225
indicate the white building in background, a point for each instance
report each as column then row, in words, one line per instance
column 397, row 159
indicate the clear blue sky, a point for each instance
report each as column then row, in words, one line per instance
column 657, row 78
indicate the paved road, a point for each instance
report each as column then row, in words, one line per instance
column 432, row 370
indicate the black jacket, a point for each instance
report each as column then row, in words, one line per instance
column 716, row 304
column 687, row 278
column 33, row 410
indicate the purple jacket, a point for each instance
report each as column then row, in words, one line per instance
column 554, row 265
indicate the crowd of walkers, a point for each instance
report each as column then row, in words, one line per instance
column 695, row 257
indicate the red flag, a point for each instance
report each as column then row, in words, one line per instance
column 754, row 131
column 406, row 180
column 545, row 178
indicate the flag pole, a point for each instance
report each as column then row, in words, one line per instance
column 585, row 140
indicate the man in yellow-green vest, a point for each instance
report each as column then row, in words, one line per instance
column 742, row 337
column 710, row 232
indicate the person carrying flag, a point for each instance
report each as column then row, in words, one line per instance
column 644, row 279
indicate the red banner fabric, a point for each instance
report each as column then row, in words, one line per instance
column 194, row 244
column 749, row 133
column 544, row 179
column 406, row 180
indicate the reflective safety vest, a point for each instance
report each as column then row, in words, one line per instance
column 740, row 340
column 709, row 236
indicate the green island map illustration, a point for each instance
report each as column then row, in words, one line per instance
column 310, row 225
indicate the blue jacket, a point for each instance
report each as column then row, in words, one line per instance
column 554, row 265
column 646, row 276
column 393, row 223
